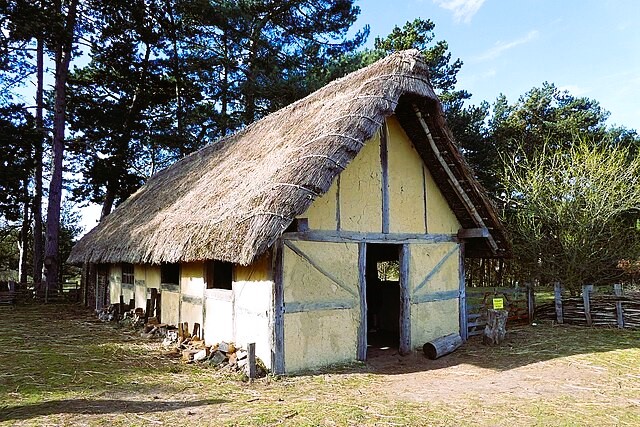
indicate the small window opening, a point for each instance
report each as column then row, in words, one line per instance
column 219, row 275
column 388, row 271
column 127, row 273
column 170, row 274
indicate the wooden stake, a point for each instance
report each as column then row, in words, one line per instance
column 251, row 356
column 586, row 298
column 617, row 289
column 557, row 288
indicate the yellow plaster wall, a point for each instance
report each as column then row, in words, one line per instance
column 361, row 190
column 406, row 183
column 425, row 257
column 320, row 337
column 115, row 283
column 152, row 276
column 431, row 320
column 170, row 302
column 440, row 217
column 322, row 212
column 259, row 270
column 192, row 278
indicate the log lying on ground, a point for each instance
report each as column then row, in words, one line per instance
column 441, row 346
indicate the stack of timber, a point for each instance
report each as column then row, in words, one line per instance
column 602, row 310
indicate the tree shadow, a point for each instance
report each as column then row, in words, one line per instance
column 99, row 407
column 524, row 345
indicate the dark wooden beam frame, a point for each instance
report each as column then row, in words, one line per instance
column 405, row 301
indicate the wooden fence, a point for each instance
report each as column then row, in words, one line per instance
column 520, row 302
column 596, row 306
column 38, row 292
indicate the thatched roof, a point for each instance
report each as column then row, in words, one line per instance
column 231, row 200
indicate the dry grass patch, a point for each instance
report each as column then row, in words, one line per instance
column 60, row 367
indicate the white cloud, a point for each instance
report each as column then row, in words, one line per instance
column 463, row 10
column 500, row 47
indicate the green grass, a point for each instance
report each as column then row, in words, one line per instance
column 59, row 367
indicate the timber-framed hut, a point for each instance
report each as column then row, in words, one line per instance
column 274, row 235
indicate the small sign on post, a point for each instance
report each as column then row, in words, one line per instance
column 498, row 304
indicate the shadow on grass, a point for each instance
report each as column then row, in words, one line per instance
column 99, row 407
column 524, row 345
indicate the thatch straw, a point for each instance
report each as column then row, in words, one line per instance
column 231, row 200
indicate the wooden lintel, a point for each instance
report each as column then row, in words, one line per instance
column 435, row 296
column 473, row 233
column 190, row 299
column 302, row 307
column 357, row 237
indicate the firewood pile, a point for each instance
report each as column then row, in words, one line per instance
column 189, row 346
column 223, row 356
column 602, row 309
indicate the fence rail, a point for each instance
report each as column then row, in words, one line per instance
column 520, row 303
column 38, row 292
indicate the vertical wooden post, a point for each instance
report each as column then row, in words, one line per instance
column 154, row 300
column 586, row 298
column 159, row 307
column 405, row 301
column 617, row 289
column 251, row 359
column 531, row 302
column 557, row 289
column 384, row 162
column 277, row 358
column 464, row 321
column 362, row 288
column 147, row 310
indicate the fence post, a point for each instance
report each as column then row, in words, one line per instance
column 557, row 289
column 617, row 289
column 531, row 302
column 586, row 298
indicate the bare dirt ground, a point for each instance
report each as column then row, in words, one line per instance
column 58, row 366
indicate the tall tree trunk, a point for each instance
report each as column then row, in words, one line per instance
column 63, row 58
column 38, row 249
column 23, row 245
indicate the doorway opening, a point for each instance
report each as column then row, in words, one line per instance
column 383, row 298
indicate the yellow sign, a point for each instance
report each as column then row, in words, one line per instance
column 498, row 303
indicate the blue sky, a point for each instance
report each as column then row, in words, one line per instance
column 589, row 47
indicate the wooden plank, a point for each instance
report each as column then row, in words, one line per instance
column 338, row 220
column 531, row 302
column 617, row 289
column 557, row 291
column 424, row 199
column 324, row 272
column 473, row 233
column 251, row 359
column 462, row 302
column 191, row 299
column 435, row 296
column 169, row 287
column 384, row 163
column 362, row 288
column 302, row 307
column 436, row 269
column 357, row 237
column 277, row 359
column 586, row 299
column 405, row 301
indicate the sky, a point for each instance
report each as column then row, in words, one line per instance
column 589, row 47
